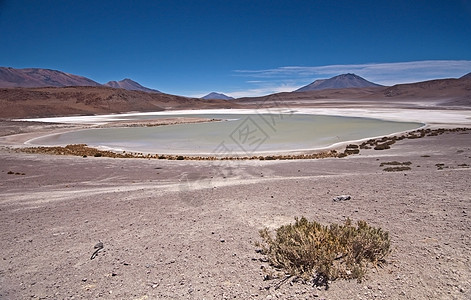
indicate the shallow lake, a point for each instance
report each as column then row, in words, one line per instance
column 243, row 134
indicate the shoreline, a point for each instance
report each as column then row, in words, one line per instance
column 434, row 119
column 351, row 147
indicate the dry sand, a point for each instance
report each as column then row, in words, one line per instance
column 187, row 229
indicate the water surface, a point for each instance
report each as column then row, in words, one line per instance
column 236, row 134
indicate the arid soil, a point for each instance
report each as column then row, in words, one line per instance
column 188, row 229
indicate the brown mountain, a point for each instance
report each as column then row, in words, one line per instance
column 129, row 85
column 45, row 102
column 34, row 77
column 447, row 89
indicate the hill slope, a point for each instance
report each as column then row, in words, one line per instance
column 129, row 85
column 46, row 102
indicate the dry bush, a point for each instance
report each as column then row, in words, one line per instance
column 317, row 253
column 396, row 169
column 395, row 163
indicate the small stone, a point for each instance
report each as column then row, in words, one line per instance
column 84, row 279
column 222, row 240
column 342, row 198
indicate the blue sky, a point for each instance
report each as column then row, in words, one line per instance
column 240, row 47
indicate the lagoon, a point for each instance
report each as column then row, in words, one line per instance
column 236, row 133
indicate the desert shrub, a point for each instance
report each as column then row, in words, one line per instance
column 180, row 157
column 397, row 169
column 383, row 146
column 317, row 253
column 395, row 163
column 98, row 154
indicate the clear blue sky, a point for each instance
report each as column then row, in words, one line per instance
column 238, row 47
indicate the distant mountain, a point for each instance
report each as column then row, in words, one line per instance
column 216, row 96
column 129, row 85
column 467, row 76
column 34, row 77
column 343, row 81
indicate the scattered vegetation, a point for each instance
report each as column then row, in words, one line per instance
column 318, row 254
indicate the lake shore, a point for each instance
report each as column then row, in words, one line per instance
column 432, row 118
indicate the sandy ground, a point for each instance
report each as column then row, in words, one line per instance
column 187, row 229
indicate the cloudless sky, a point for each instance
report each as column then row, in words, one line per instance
column 239, row 47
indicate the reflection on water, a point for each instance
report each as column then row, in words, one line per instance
column 243, row 134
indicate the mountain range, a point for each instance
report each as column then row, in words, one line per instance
column 22, row 95
column 35, row 77
column 342, row 81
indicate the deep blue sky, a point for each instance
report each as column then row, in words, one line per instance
column 238, row 47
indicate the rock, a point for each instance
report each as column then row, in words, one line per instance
column 342, row 198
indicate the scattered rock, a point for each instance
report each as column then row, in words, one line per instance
column 342, row 198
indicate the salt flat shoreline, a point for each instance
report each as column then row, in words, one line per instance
column 431, row 118
column 434, row 117
column 188, row 229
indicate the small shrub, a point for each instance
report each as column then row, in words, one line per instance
column 382, row 146
column 317, row 253
column 180, row 157
column 395, row 163
column 98, row 154
column 396, row 169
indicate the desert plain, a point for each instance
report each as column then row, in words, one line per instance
column 188, row 229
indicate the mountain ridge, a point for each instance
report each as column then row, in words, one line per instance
column 37, row 77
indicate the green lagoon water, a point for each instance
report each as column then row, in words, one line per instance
column 237, row 134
